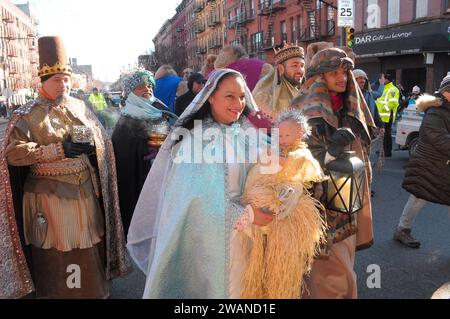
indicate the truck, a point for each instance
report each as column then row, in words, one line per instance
column 408, row 127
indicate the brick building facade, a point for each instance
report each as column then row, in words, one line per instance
column 19, row 57
column 409, row 38
column 259, row 25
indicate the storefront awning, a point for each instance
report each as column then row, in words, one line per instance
column 430, row 36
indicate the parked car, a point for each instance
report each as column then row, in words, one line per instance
column 408, row 128
column 116, row 98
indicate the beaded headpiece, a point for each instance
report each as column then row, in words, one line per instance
column 287, row 52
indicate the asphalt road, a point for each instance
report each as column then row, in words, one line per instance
column 406, row 273
column 403, row 272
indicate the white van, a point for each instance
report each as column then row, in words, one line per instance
column 408, row 127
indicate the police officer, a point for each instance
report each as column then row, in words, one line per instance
column 387, row 105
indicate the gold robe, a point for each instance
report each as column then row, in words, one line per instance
column 69, row 214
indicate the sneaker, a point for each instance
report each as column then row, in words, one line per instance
column 403, row 235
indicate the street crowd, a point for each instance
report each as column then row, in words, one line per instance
column 84, row 182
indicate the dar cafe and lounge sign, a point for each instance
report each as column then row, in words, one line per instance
column 382, row 37
column 422, row 37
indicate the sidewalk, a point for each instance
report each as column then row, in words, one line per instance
column 3, row 121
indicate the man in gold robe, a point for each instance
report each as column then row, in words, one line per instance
column 59, row 213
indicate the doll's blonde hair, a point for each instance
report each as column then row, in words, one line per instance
column 296, row 117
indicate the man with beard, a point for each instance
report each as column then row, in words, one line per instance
column 274, row 92
column 130, row 139
column 59, row 203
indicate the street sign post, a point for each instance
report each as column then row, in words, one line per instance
column 346, row 13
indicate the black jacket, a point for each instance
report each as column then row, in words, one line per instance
column 183, row 102
column 427, row 174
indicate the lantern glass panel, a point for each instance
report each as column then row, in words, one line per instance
column 346, row 184
column 358, row 190
column 339, row 191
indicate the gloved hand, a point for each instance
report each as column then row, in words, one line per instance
column 72, row 150
column 342, row 138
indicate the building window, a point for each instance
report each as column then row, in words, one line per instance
column 447, row 6
column 331, row 25
column 373, row 15
column 299, row 27
column 284, row 36
column 256, row 42
column 292, row 30
column 252, row 8
column 393, row 11
column 312, row 25
column 421, row 8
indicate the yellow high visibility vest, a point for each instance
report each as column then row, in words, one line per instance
column 98, row 102
column 388, row 102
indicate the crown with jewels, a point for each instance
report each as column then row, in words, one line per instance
column 287, row 52
column 55, row 69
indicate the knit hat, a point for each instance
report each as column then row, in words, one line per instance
column 360, row 73
column 287, row 52
column 137, row 78
column 445, row 84
column 416, row 89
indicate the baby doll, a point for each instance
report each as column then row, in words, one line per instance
column 283, row 252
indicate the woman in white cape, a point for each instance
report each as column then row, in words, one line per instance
column 188, row 229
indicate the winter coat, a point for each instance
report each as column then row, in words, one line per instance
column 428, row 171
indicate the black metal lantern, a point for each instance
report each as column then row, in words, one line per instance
column 345, row 189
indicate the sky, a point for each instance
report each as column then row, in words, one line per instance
column 107, row 34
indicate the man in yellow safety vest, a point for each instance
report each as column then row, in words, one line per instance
column 387, row 105
column 99, row 104
column 98, row 101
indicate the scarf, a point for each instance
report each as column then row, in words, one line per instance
column 44, row 94
column 315, row 101
column 273, row 94
column 141, row 109
column 337, row 102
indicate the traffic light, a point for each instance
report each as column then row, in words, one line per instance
column 349, row 37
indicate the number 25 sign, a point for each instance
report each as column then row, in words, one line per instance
column 346, row 13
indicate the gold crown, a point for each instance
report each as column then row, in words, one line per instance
column 55, row 69
column 288, row 51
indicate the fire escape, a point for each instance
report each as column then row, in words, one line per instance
column 269, row 9
column 316, row 11
column 215, row 41
column 199, row 26
column 246, row 15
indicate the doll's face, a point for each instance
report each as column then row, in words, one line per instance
column 290, row 134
